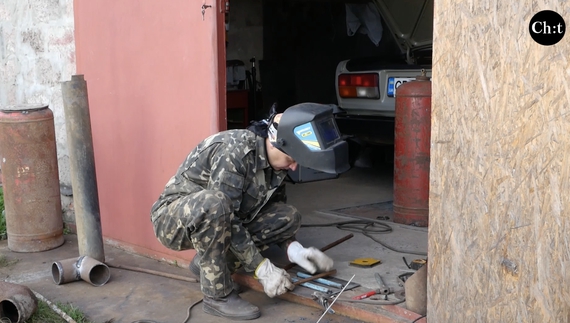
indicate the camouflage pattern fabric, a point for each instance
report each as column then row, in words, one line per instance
column 218, row 203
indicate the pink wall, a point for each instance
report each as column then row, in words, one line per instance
column 152, row 74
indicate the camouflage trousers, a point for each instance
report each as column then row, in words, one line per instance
column 203, row 221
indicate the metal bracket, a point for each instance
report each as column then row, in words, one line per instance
column 204, row 7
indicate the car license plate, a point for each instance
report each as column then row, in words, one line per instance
column 395, row 82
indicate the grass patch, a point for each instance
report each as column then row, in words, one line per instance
column 44, row 314
column 5, row 262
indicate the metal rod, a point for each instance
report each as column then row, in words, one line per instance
column 153, row 272
column 325, row 248
column 82, row 162
column 308, row 278
column 310, row 285
column 335, row 243
column 321, row 280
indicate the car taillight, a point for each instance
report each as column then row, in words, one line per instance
column 358, row 86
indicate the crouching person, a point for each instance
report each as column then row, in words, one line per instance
column 227, row 201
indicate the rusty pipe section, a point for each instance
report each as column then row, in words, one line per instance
column 17, row 303
column 82, row 162
column 83, row 268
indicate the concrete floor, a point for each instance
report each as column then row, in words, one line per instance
column 130, row 296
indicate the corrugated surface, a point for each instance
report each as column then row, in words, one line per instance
column 500, row 168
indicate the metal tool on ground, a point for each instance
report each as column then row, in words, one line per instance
column 415, row 264
column 403, row 277
column 383, row 290
column 316, row 278
column 321, row 280
column 365, row 262
column 325, row 248
column 367, row 294
column 323, row 300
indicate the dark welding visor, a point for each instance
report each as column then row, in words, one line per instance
column 308, row 133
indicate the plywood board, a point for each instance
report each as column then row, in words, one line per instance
column 500, row 168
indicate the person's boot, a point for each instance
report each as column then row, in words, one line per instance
column 195, row 270
column 232, row 307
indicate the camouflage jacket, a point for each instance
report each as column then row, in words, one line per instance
column 234, row 162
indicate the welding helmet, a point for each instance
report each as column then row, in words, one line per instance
column 308, row 133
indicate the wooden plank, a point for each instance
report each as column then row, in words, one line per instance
column 500, row 167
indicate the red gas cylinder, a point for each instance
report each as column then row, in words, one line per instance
column 30, row 178
column 412, row 152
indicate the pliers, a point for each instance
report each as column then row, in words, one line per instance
column 383, row 290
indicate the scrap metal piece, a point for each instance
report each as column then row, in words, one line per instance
column 323, row 300
column 365, row 262
column 403, row 277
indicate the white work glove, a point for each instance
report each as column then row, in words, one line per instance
column 311, row 259
column 275, row 280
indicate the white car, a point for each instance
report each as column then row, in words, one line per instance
column 366, row 88
column 372, row 92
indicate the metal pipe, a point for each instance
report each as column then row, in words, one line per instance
column 93, row 271
column 17, row 302
column 65, row 271
column 85, row 268
column 83, row 177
